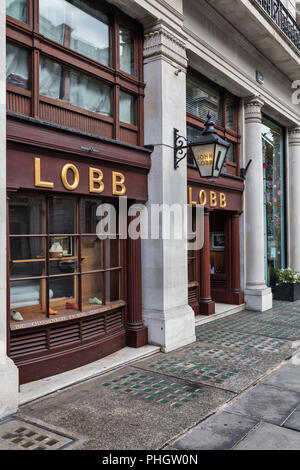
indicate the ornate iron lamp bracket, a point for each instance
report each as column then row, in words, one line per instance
column 180, row 148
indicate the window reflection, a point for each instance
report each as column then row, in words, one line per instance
column 79, row 25
column 127, row 51
column 17, row 66
column 18, row 9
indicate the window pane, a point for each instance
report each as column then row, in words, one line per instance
column 63, row 294
column 76, row 24
column 62, row 216
column 127, row 108
column 27, row 215
column 202, row 98
column 92, row 291
column 89, row 219
column 91, row 254
column 112, row 253
column 17, row 69
column 274, row 196
column 113, row 286
column 17, row 9
column 73, row 87
column 27, row 257
column 127, row 51
column 231, row 113
column 27, row 300
column 63, row 255
column 231, row 155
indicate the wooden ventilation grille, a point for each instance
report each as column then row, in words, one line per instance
column 219, row 284
column 114, row 322
column 28, row 343
column 193, row 295
column 63, row 335
column 92, row 327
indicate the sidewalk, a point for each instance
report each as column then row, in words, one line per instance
column 233, row 388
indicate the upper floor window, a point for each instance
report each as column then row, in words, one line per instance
column 203, row 97
column 78, row 25
column 18, row 9
column 77, row 63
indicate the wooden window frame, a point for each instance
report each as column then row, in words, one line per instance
column 28, row 35
column 234, row 137
column 79, row 273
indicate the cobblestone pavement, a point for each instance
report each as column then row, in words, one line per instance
column 232, row 388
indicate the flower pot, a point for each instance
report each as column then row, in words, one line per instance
column 288, row 292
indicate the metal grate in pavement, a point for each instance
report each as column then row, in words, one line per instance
column 21, row 435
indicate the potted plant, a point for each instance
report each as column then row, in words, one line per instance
column 288, row 285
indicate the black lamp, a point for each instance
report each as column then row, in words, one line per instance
column 209, row 152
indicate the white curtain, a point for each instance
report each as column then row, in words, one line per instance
column 16, row 66
column 126, row 51
column 50, row 78
column 90, row 94
column 127, row 108
column 17, row 9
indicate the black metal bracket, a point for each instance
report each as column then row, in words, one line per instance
column 243, row 171
column 180, row 148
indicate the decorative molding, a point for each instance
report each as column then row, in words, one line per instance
column 253, row 108
column 160, row 41
column 294, row 137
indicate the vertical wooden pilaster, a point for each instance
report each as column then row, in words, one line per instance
column 207, row 305
column 237, row 296
column 136, row 333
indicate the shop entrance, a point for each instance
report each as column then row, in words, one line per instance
column 220, row 257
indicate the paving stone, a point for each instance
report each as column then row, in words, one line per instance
column 293, row 422
column 266, row 402
column 200, row 370
column 127, row 418
column 267, row 436
column 219, row 432
column 287, row 377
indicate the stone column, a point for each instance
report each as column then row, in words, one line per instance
column 8, row 370
column 166, row 313
column 206, row 304
column 294, row 197
column 257, row 295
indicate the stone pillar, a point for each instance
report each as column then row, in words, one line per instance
column 136, row 333
column 257, row 295
column 237, row 296
column 294, row 197
column 206, row 304
column 166, row 313
column 8, row 370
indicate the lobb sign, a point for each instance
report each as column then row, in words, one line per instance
column 75, row 176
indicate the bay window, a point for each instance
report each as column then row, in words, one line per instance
column 58, row 265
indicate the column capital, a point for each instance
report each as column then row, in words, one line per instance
column 294, row 136
column 253, row 106
column 161, row 41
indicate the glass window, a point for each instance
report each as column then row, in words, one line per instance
column 127, row 108
column 17, row 66
column 78, row 89
column 80, row 271
column 127, row 51
column 17, row 9
column 78, row 25
column 203, row 99
column 231, row 113
column 274, row 195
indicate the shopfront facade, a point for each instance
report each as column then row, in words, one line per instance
column 74, row 135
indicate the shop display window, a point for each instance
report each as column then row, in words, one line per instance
column 274, row 198
column 56, row 268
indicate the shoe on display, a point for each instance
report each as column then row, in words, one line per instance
column 72, row 305
column 16, row 316
column 95, row 301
